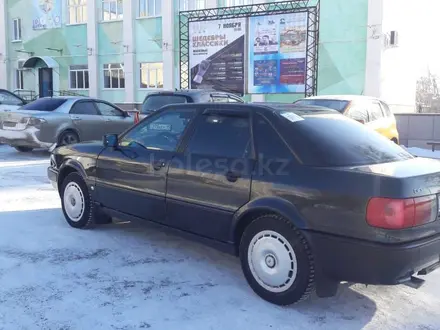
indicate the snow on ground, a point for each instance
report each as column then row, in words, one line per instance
column 426, row 153
column 131, row 276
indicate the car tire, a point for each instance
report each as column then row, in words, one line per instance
column 77, row 204
column 277, row 261
column 67, row 138
column 24, row 149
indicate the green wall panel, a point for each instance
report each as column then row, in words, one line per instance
column 148, row 41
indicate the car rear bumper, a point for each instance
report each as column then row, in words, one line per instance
column 52, row 174
column 27, row 137
column 358, row 261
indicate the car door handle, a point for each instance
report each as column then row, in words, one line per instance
column 232, row 176
column 108, row 119
column 157, row 165
column 76, row 118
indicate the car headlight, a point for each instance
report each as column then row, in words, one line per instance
column 53, row 162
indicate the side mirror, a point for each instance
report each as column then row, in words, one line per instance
column 111, row 140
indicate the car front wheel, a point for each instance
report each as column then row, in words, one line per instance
column 67, row 138
column 277, row 261
column 77, row 205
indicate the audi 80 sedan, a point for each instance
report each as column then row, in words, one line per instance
column 307, row 198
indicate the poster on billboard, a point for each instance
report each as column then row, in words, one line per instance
column 277, row 53
column 46, row 14
column 216, row 55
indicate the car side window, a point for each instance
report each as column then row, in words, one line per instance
column 9, row 99
column 375, row 111
column 234, row 100
column 84, row 108
column 160, row 132
column 269, row 145
column 108, row 110
column 222, row 136
column 219, row 98
column 358, row 112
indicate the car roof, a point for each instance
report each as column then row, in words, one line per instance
column 187, row 92
column 65, row 97
column 302, row 111
column 341, row 97
column 73, row 98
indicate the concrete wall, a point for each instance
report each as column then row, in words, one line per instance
column 415, row 130
column 398, row 79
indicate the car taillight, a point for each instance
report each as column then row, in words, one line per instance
column 391, row 213
column 31, row 121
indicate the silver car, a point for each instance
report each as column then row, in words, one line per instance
column 52, row 121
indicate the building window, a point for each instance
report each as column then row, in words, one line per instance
column 112, row 10
column 192, row 4
column 151, row 75
column 77, row 11
column 114, row 75
column 16, row 30
column 19, row 76
column 150, row 8
column 79, row 77
column 200, row 4
column 232, row 3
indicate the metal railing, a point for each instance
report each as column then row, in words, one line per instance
column 30, row 95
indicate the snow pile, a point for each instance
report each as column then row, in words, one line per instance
column 426, row 153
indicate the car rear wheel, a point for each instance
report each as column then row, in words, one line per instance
column 68, row 137
column 76, row 202
column 277, row 261
column 24, row 149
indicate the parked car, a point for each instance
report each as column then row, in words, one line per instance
column 59, row 121
column 10, row 101
column 370, row 111
column 156, row 100
column 306, row 198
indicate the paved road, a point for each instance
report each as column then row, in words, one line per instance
column 126, row 276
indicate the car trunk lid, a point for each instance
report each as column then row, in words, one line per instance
column 416, row 177
column 16, row 120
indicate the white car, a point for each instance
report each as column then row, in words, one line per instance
column 10, row 101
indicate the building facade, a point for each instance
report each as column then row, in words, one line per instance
column 120, row 50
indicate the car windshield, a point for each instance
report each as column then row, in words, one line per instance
column 155, row 102
column 44, row 104
column 334, row 140
column 338, row 105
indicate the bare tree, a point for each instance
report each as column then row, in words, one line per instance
column 427, row 94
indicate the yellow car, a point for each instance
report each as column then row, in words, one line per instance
column 366, row 110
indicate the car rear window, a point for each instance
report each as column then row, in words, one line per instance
column 333, row 140
column 338, row 105
column 44, row 104
column 155, row 102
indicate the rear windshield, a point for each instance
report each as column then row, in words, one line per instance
column 155, row 102
column 333, row 140
column 44, row 104
column 337, row 105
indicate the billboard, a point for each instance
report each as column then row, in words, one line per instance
column 46, row 14
column 277, row 53
column 216, row 55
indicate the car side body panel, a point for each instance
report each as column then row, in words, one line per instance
column 82, row 158
column 56, row 123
